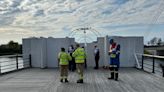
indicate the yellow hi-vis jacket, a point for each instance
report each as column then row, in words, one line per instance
column 64, row 58
column 79, row 55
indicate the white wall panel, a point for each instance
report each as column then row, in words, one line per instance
column 44, row 51
column 54, row 47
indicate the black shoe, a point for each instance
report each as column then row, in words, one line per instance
column 110, row 78
column 116, row 76
column 80, row 81
column 116, row 79
column 61, row 80
column 66, row 80
column 95, row 67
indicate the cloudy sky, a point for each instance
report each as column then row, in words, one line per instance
column 57, row 18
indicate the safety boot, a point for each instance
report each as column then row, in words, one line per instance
column 95, row 68
column 61, row 80
column 112, row 76
column 80, row 81
column 66, row 80
column 116, row 76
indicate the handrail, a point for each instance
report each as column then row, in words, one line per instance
column 153, row 62
column 16, row 62
column 7, row 61
column 5, row 56
column 148, row 55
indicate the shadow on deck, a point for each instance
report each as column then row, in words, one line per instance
column 47, row 80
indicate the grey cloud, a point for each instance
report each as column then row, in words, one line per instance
column 10, row 7
column 109, row 10
column 79, row 0
column 149, row 3
column 60, row 1
column 6, row 20
column 61, row 11
column 16, row 3
column 39, row 13
column 120, row 1
column 66, row 28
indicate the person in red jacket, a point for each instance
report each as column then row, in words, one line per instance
column 114, row 52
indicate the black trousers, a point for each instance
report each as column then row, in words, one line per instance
column 85, row 63
column 72, row 65
column 97, row 61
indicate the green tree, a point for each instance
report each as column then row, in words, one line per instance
column 10, row 48
column 13, row 45
column 155, row 41
column 159, row 41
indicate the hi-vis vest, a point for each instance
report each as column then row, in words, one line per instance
column 113, row 55
column 79, row 55
column 64, row 58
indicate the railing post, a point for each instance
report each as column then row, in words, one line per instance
column 162, row 67
column 17, row 67
column 153, row 71
column 142, row 62
column 0, row 68
column 30, row 60
column 163, row 71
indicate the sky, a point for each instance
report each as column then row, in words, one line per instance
column 57, row 18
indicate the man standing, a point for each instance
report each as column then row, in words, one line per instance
column 72, row 65
column 63, row 59
column 114, row 52
column 80, row 56
column 97, row 56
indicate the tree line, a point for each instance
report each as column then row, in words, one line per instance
column 11, row 48
column 155, row 41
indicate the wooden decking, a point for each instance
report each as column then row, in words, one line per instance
column 47, row 80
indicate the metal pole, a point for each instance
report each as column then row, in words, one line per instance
column 30, row 63
column 0, row 68
column 163, row 71
column 85, row 43
column 17, row 62
column 162, row 67
column 153, row 71
column 142, row 62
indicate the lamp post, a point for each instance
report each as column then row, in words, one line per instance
column 85, row 40
column 85, row 36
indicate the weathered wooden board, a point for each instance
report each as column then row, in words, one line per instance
column 47, row 80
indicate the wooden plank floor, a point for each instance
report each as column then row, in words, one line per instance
column 47, row 80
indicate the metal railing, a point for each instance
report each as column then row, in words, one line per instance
column 10, row 63
column 151, row 63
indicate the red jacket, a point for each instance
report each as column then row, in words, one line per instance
column 113, row 45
